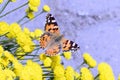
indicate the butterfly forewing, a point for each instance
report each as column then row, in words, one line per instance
column 51, row 25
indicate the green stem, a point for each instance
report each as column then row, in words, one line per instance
column 25, row 55
column 79, row 65
column 4, row 34
column 21, row 19
column 3, row 8
column 14, row 10
column 96, row 77
column 31, row 19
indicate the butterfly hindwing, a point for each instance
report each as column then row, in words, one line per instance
column 52, row 51
column 68, row 45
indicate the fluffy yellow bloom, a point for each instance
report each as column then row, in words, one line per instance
column 119, row 77
column 38, row 33
column 42, row 56
column 89, row 60
column 69, row 73
column 105, row 72
column 59, row 71
column 26, row 31
column 56, row 61
column 59, row 78
column 67, row 55
column 1, row 1
column 86, row 74
column 77, row 75
column 25, row 42
column 46, row 8
column 4, row 27
column 32, row 71
column 1, row 50
column 30, row 15
column 9, row 56
column 47, row 62
column 14, row 29
column 32, row 34
column 18, row 67
column 7, row 74
column 33, row 4
column 10, row 75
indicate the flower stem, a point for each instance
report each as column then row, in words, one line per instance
column 3, row 8
column 31, row 19
column 96, row 77
column 14, row 10
column 21, row 19
column 79, row 65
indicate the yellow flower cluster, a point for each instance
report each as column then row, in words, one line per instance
column 4, row 28
column 105, row 72
column 1, row 1
column 86, row 74
column 30, row 13
column 25, row 42
column 34, row 4
column 89, row 60
column 69, row 73
column 7, row 74
column 32, row 71
column 59, row 73
column 119, row 77
column 46, row 8
column 67, row 55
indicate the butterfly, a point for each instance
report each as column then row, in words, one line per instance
column 52, row 41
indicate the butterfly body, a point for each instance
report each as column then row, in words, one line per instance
column 52, row 41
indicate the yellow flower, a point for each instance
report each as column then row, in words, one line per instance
column 67, row 55
column 10, row 75
column 105, row 72
column 59, row 71
column 77, row 75
column 86, row 74
column 119, row 77
column 1, row 50
column 89, row 60
column 26, row 31
column 59, row 78
column 69, row 73
column 46, row 8
column 32, row 71
column 14, row 29
column 18, row 67
column 56, row 61
column 33, row 5
column 47, row 62
column 42, row 56
column 1, row 1
column 4, row 27
column 25, row 42
column 38, row 33
column 32, row 34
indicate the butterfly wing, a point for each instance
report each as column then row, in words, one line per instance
column 52, row 51
column 68, row 45
column 45, row 39
column 51, row 25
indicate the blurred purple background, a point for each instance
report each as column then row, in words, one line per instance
column 93, row 24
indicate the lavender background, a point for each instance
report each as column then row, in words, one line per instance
column 93, row 24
